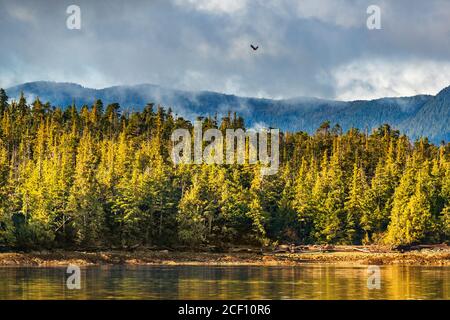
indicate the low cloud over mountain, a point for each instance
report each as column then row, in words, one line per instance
column 421, row 115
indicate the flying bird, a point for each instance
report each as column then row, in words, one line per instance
column 254, row 48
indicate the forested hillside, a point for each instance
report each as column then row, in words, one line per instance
column 417, row 116
column 433, row 119
column 99, row 177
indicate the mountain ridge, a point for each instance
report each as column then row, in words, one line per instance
column 419, row 115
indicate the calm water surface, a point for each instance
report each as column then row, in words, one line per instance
column 211, row 282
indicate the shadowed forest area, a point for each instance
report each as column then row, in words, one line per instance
column 98, row 177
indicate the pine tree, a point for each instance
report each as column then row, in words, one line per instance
column 412, row 220
column 192, row 229
column 256, row 213
column 85, row 202
column 233, row 223
column 378, row 201
column 284, row 223
column 7, row 236
column 302, row 202
column 3, row 101
column 354, row 206
column 445, row 193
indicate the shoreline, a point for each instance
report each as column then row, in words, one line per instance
column 428, row 257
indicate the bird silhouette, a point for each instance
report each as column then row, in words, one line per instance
column 253, row 47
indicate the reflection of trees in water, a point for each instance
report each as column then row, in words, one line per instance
column 418, row 282
column 239, row 282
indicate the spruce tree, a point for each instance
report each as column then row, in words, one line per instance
column 355, row 206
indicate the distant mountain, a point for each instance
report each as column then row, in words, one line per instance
column 432, row 119
column 421, row 115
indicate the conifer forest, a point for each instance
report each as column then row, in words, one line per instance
column 99, row 176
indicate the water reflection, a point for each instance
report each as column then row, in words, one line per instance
column 209, row 282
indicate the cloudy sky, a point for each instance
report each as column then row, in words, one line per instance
column 319, row 48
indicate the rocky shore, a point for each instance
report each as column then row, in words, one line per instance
column 281, row 256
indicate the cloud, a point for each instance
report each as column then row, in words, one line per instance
column 342, row 13
column 21, row 13
column 318, row 48
column 214, row 6
column 370, row 79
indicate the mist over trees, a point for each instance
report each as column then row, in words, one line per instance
column 99, row 177
column 417, row 116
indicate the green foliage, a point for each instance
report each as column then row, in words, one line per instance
column 101, row 177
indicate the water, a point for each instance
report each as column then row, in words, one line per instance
column 225, row 282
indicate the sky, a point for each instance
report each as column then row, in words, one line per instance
column 312, row 48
